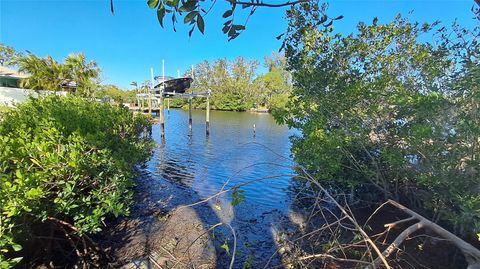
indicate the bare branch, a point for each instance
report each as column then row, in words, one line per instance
column 262, row 4
column 393, row 224
column 327, row 256
column 472, row 254
column 397, row 242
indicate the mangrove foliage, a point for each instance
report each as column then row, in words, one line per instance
column 66, row 166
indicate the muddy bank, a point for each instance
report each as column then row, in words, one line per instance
column 162, row 233
column 159, row 234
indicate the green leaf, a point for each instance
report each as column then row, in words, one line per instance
column 15, row 261
column 172, row 3
column 16, row 247
column 190, row 16
column 239, row 27
column 323, row 19
column 225, row 29
column 18, row 173
column 35, row 162
column 189, row 6
column 227, row 13
column 238, row 197
column 161, row 14
column 200, row 23
column 225, row 247
column 191, row 31
column 152, row 3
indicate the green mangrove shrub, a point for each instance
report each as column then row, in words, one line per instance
column 391, row 111
column 66, row 164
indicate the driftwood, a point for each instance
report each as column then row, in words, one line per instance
column 472, row 254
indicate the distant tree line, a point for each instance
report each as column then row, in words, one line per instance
column 236, row 86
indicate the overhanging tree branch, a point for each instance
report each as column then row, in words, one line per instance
column 262, row 4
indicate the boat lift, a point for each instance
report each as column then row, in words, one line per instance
column 156, row 96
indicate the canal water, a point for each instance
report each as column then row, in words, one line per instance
column 232, row 155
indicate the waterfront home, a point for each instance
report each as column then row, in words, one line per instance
column 10, row 78
column 11, row 92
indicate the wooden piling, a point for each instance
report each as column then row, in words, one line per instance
column 150, row 103
column 162, row 118
column 190, row 114
column 207, row 118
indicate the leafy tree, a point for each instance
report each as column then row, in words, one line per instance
column 7, row 55
column 231, row 83
column 44, row 74
column 193, row 12
column 384, row 115
column 84, row 75
column 116, row 94
column 274, row 86
column 48, row 74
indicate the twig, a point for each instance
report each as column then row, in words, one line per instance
column 342, row 209
column 232, row 188
column 327, row 256
column 262, row 4
column 393, row 224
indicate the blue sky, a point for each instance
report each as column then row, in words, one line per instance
column 127, row 44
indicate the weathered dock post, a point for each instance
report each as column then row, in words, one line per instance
column 161, row 111
column 162, row 118
column 254, row 130
column 150, row 102
column 207, row 118
column 190, row 114
column 168, row 106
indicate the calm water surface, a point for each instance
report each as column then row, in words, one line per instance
column 231, row 155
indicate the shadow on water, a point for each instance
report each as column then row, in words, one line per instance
column 190, row 167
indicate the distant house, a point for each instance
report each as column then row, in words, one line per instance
column 10, row 78
column 11, row 93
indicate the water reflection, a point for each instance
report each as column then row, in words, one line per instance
column 176, row 171
column 229, row 156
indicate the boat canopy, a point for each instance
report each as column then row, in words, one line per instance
column 173, row 86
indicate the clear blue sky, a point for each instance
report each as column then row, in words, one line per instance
column 127, row 44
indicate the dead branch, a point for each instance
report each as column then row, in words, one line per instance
column 350, row 218
column 472, row 254
column 71, row 227
column 396, row 223
column 397, row 242
column 327, row 256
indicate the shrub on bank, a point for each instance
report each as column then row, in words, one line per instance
column 385, row 115
column 66, row 164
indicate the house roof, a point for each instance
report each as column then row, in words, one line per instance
column 7, row 72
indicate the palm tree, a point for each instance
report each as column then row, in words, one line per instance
column 135, row 84
column 45, row 74
column 84, row 75
column 48, row 74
